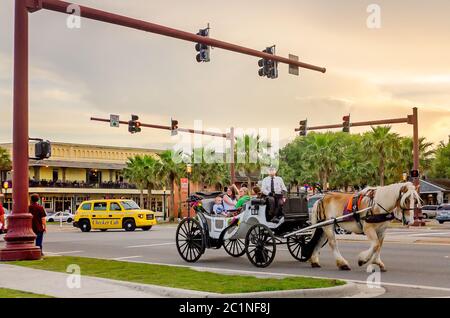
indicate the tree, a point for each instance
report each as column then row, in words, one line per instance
column 426, row 154
column 251, row 155
column 152, row 181
column 5, row 163
column 136, row 174
column 383, row 146
column 170, row 172
column 441, row 164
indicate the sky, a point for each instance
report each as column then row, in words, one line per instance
column 101, row 69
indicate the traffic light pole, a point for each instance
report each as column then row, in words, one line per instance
column 411, row 120
column 107, row 17
column 230, row 136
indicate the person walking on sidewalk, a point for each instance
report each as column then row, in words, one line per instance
column 38, row 222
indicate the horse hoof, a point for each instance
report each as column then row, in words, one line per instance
column 315, row 265
column 383, row 269
column 345, row 268
column 361, row 263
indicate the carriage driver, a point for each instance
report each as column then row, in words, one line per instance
column 274, row 189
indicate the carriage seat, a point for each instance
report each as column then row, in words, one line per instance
column 296, row 209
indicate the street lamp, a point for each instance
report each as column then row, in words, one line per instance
column 189, row 172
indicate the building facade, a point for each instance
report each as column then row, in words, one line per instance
column 435, row 191
column 78, row 172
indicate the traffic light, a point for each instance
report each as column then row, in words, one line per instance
column 303, row 127
column 346, row 124
column 268, row 68
column 204, row 51
column 134, row 125
column 43, row 150
column 174, row 127
column 414, row 174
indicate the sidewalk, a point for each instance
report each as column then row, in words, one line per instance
column 57, row 285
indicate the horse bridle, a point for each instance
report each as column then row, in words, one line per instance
column 400, row 196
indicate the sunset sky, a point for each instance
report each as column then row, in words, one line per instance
column 102, row 69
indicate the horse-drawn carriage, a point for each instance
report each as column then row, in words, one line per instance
column 248, row 231
column 245, row 231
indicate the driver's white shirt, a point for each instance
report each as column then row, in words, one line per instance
column 278, row 185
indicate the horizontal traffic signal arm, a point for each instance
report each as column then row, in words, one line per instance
column 407, row 120
column 107, row 17
column 191, row 131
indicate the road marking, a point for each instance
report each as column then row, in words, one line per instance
column 65, row 253
column 218, row 269
column 429, row 234
column 150, row 245
column 124, row 258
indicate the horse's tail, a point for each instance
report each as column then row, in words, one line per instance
column 317, row 215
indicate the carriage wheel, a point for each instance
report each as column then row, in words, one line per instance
column 235, row 248
column 295, row 244
column 260, row 245
column 189, row 239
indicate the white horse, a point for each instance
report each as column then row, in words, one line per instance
column 395, row 201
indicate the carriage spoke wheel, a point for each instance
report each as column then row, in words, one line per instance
column 260, row 245
column 189, row 239
column 235, row 248
column 295, row 244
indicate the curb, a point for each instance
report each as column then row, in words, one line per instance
column 347, row 290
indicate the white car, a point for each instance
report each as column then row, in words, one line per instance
column 60, row 217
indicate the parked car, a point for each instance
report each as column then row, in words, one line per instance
column 60, row 217
column 443, row 213
column 429, row 211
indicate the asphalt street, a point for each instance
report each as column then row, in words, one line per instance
column 418, row 260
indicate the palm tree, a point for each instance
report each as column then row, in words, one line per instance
column 251, row 155
column 151, row 168
column 426, row 154
column 5, row 163
column 136, row 174
column 169, row 173
column 382, row 144
column 441, row 164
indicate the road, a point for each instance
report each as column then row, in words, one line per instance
column 418, row 260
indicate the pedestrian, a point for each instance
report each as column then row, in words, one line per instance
column 2, row 216
column 38, row 223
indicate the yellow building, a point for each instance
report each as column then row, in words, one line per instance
column 78, row 172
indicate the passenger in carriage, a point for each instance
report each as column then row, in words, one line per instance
column 230, row 198
column 218, row 207
column 244, row 197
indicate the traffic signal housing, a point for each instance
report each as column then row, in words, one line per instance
column 346, row 124
column 414, row 174
column 268, row 68
column 134, row 125
column 204, row 51
column 43, row 150
column 174, row 127
column 303, row 130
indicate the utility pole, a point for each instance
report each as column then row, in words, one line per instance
column 230, row 136
column 412, row 119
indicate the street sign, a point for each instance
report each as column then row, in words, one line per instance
column 184, row 183
column 115, row 121
column 294, row 70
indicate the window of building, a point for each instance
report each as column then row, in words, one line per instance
column 55, row 175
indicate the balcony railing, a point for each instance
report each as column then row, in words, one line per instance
column 80, row 184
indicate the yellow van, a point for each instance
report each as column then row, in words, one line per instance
column 113, row 214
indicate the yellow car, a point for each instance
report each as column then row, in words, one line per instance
column 113, row 214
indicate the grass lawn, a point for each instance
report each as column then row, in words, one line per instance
column 177, row 277
column 9, row 293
